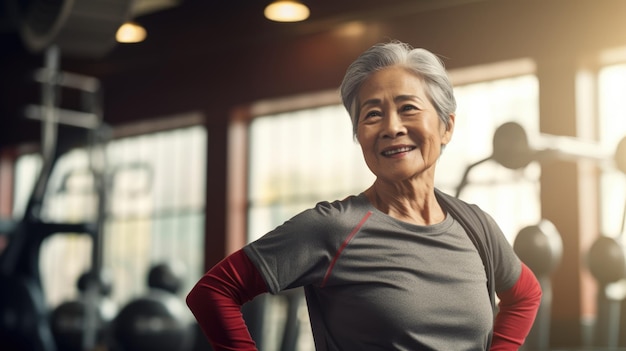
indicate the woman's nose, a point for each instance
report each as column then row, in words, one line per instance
column 394, row 126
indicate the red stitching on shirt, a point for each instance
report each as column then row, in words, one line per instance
column 343, row 246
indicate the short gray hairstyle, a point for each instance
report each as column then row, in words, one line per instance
column 421, row 62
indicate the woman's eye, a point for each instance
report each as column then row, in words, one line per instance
column 408, row 107
column 372, row 114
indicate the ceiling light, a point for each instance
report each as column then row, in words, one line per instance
column 286, row 11
column 130, row 32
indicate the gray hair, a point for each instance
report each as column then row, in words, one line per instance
column 421, row 62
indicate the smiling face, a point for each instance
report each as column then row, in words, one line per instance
column 398, row 128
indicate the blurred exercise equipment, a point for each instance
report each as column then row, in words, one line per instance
column 166, row 276
column 24, row 322
column 606, row 261
column 158, row 320
column 513, row 149
column 540, row 246
column 68, row 320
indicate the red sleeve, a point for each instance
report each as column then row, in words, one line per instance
column 217, row 298
column 517, row 310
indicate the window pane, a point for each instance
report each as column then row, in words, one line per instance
column 482, row 108
column 155, row 211
column 157, row 206
column 612, row 103
column 64, row 258
column 27, row 169
column 70, row 194
column 298, row 159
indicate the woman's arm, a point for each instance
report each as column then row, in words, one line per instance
column 517, row 310
column 217, row 298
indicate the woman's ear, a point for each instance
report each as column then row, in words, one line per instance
column 447, row 134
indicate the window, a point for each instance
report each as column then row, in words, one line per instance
column 300, row 158
column 482, row 108
column 155, row 211
column 27, row 167
column 612, row 129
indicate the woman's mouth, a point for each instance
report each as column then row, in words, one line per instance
column 398, row 150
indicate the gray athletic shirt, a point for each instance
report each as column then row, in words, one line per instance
column 373, row 282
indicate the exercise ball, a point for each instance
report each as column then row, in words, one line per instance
column 167, row 276
column 102, row 279
column 155, row 322
column 510, row 146
column 540, row 247
column 606, row 260
column 70, row 321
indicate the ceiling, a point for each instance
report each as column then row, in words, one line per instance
column 183, row 31
column 187, row 24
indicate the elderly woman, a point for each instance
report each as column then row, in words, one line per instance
column 400, row 266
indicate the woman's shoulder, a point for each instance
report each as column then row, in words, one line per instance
column 348, row 204
column 335, row 213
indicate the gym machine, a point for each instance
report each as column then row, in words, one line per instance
column 540, row 245
column 24, row 323
column 158, row 320
column 79, row 29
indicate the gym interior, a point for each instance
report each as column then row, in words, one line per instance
column 127, row 169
